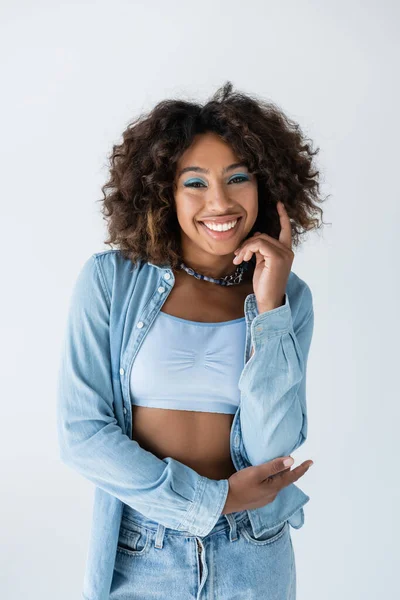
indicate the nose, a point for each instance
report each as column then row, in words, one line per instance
column 218, row 201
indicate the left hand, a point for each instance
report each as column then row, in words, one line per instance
column 274, row 260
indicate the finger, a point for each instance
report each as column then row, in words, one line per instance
column 273, row 467
column 247, row 254
column 287, row 476
column 285, row 236
column 255, row 241
column 254, row 245
column 295, row 474
column 280, row 473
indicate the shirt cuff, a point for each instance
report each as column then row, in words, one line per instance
column 275, row 321
column 207, row 506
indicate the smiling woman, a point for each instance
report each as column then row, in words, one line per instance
column 259, row 155
column 223, row 201
column 182, row 383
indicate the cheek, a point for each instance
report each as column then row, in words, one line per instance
column 186, row 216
column 249, row 201
column 187, row 205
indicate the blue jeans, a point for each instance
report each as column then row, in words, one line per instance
column 154, row 562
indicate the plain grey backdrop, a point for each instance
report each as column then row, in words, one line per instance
column 73, row 75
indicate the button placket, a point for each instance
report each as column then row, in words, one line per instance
column 122, row 372
column 140, row 324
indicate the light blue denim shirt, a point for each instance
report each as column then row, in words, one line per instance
column 112, row 307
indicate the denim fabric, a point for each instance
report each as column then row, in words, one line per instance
column 112, row 307
column 153, row 562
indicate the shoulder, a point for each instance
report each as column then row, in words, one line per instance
column 112, row 259
column 113, row 266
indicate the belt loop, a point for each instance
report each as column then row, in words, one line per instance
column 232, row 527
column 159, row 536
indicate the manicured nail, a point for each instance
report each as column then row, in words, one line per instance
column 288, row 461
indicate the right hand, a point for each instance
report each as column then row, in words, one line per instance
column 259, row 485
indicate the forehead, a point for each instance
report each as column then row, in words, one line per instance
column 206, row 150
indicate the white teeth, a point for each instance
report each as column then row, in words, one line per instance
column 221, row 226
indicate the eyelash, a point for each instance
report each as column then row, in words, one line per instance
column 236, row 177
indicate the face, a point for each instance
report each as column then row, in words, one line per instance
column 212, row 189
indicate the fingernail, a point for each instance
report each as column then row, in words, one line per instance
column 288, row 461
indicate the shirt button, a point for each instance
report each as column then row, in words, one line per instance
column 161, row 289
column 124, row 410
column 140, row 324
column 121, row 371
column 167, row 276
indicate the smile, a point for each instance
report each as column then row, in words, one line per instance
column 221, row 235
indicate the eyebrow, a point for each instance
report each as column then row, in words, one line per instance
column 201, row 170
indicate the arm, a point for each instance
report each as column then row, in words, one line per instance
column 92, row 442
column 273, row 414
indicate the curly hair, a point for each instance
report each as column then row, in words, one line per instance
column 138, row 202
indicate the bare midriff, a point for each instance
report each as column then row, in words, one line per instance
column 200, row 440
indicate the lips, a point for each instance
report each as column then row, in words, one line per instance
column 222, row 235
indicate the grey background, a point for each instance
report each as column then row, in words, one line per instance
column 73, row 75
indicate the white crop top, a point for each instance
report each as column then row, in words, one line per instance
column 189, row 365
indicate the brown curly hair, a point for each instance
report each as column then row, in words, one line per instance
column 138, row 202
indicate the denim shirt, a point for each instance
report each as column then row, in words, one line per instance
column 111, row 309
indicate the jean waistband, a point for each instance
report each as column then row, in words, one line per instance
column 139, row 519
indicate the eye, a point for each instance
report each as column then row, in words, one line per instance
column 240, row 177
column 191, row 183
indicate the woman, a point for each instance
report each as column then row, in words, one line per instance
column 183, row 375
